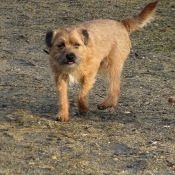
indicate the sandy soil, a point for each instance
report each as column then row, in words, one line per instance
column 136, row 137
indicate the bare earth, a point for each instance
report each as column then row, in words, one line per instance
column 136, row 137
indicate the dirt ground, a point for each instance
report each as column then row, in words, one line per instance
column 136, row 137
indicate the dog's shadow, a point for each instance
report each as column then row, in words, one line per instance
column 48, row 107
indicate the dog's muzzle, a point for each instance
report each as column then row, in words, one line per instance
column 70, row 58
column 67, row 58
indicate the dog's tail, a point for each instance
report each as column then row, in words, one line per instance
column 138, row 21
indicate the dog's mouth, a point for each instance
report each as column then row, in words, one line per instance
column 69, row 62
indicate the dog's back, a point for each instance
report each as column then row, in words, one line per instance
column 108, row 34
column 105, row 35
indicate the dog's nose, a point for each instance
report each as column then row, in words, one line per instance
column 70, row 56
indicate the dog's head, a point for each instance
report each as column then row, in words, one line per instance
column 67, row 47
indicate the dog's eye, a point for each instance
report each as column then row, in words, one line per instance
column 61, row 46
column 76, row 45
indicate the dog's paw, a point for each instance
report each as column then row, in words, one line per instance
column 108, row 103
column 62, row 117
column 83, row 111
column 102, row 107
column 82, row 108
column 105, row 106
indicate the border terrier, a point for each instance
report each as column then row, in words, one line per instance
column 78, row 52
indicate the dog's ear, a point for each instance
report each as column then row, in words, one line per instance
column 85, row 36
column 49, row 37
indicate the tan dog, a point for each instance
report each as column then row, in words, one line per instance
column 78, row 52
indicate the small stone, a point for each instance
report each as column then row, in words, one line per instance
column 54, row 157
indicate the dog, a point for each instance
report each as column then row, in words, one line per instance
column 79, row 52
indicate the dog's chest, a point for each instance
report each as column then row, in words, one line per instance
column 72, row 79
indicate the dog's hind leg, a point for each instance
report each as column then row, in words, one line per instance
column 113, row 70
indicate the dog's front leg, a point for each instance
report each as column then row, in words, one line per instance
column 61, row 83
column 86, row 85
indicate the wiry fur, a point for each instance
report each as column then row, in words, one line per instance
column 142, row 19
column 103, row 46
